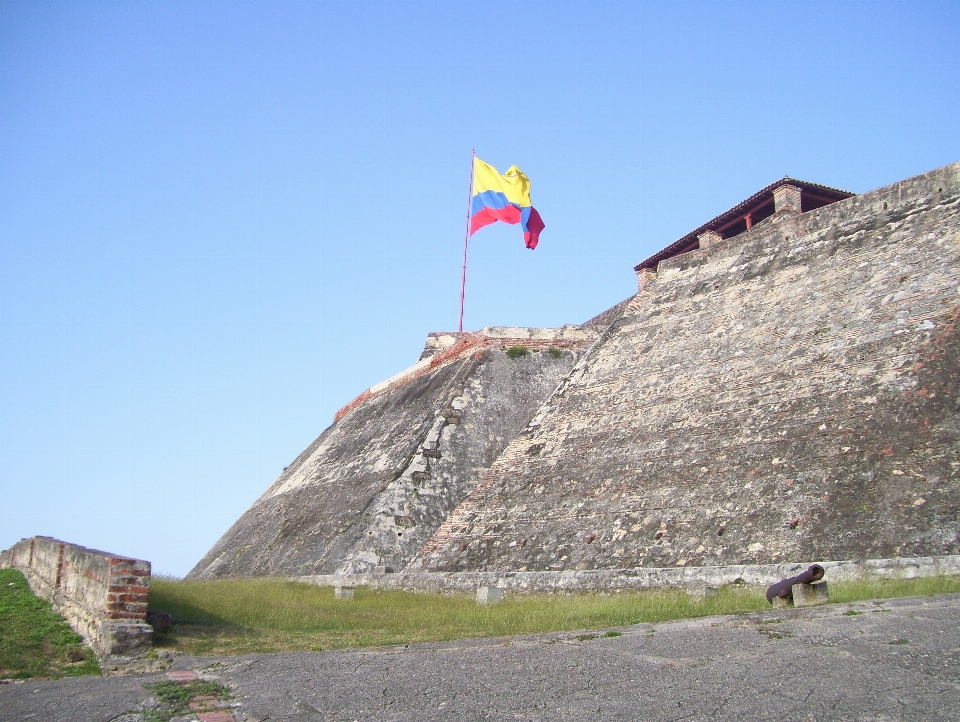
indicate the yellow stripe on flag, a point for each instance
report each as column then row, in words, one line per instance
column 513, row 184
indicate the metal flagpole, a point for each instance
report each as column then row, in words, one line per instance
column 466, row 239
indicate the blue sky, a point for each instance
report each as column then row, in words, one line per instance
column 220, row 222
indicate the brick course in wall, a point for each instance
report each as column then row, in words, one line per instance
column 104, row 597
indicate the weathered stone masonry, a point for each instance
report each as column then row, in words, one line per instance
column 399, row 459
column 782, row 387
column 102, row 596
column 621, row 580
column 788, row 393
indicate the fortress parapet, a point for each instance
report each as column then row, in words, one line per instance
column 442, row 348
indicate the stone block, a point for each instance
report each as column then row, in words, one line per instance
column 488, row 596
column 160, row 621
column 119, row 638
column 810, row 595
column 344, row 593
column 702, row 592
column 781, row 603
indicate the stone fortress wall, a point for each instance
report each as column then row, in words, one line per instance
column 398, row 459
column 102, row 596
column 788, row 393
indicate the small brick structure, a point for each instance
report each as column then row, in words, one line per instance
column 709, row 238
column 787, row 198
column 102, row 596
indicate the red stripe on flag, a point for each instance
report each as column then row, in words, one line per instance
column 507, row 214
column 535, row 224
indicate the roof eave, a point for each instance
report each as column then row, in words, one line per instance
column 825, row 192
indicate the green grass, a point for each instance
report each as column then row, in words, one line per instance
column 34, row 640
column 266, row 615
column 174, row 698
column 517, row 351
column 890, row 588
column 260, row 615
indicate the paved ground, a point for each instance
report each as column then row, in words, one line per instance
column 896, row 660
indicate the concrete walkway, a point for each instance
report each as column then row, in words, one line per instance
column 894, row 660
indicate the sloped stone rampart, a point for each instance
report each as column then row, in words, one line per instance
column 623, row 580
column 788, row 393
column 378, row 482
column 102, row 596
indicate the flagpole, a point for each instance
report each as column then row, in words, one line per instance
column 466, row 239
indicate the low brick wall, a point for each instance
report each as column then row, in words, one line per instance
column 102, row 596
column 619, row 580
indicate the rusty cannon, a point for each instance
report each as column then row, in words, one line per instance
column 784, row 588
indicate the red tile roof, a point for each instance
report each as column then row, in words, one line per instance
column 813, row 195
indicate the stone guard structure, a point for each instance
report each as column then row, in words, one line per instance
column 784, row 394
column 370, row 491
column 102, row 596
column 784, row 386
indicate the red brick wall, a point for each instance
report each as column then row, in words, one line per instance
column 89, row 588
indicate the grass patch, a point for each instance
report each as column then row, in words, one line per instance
column 554, row 352
column 841, row 592
column 262, row 615
column 174, row 698
column 517, row 351
column 772, row 634
column 35, row 641
column 266, row 615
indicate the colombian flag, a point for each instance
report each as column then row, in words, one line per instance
column 503, row 198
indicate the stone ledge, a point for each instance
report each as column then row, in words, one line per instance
column 610, row 580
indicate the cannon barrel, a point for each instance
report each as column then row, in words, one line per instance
column 784, row 588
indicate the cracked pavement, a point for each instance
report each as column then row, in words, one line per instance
column 892, row 660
